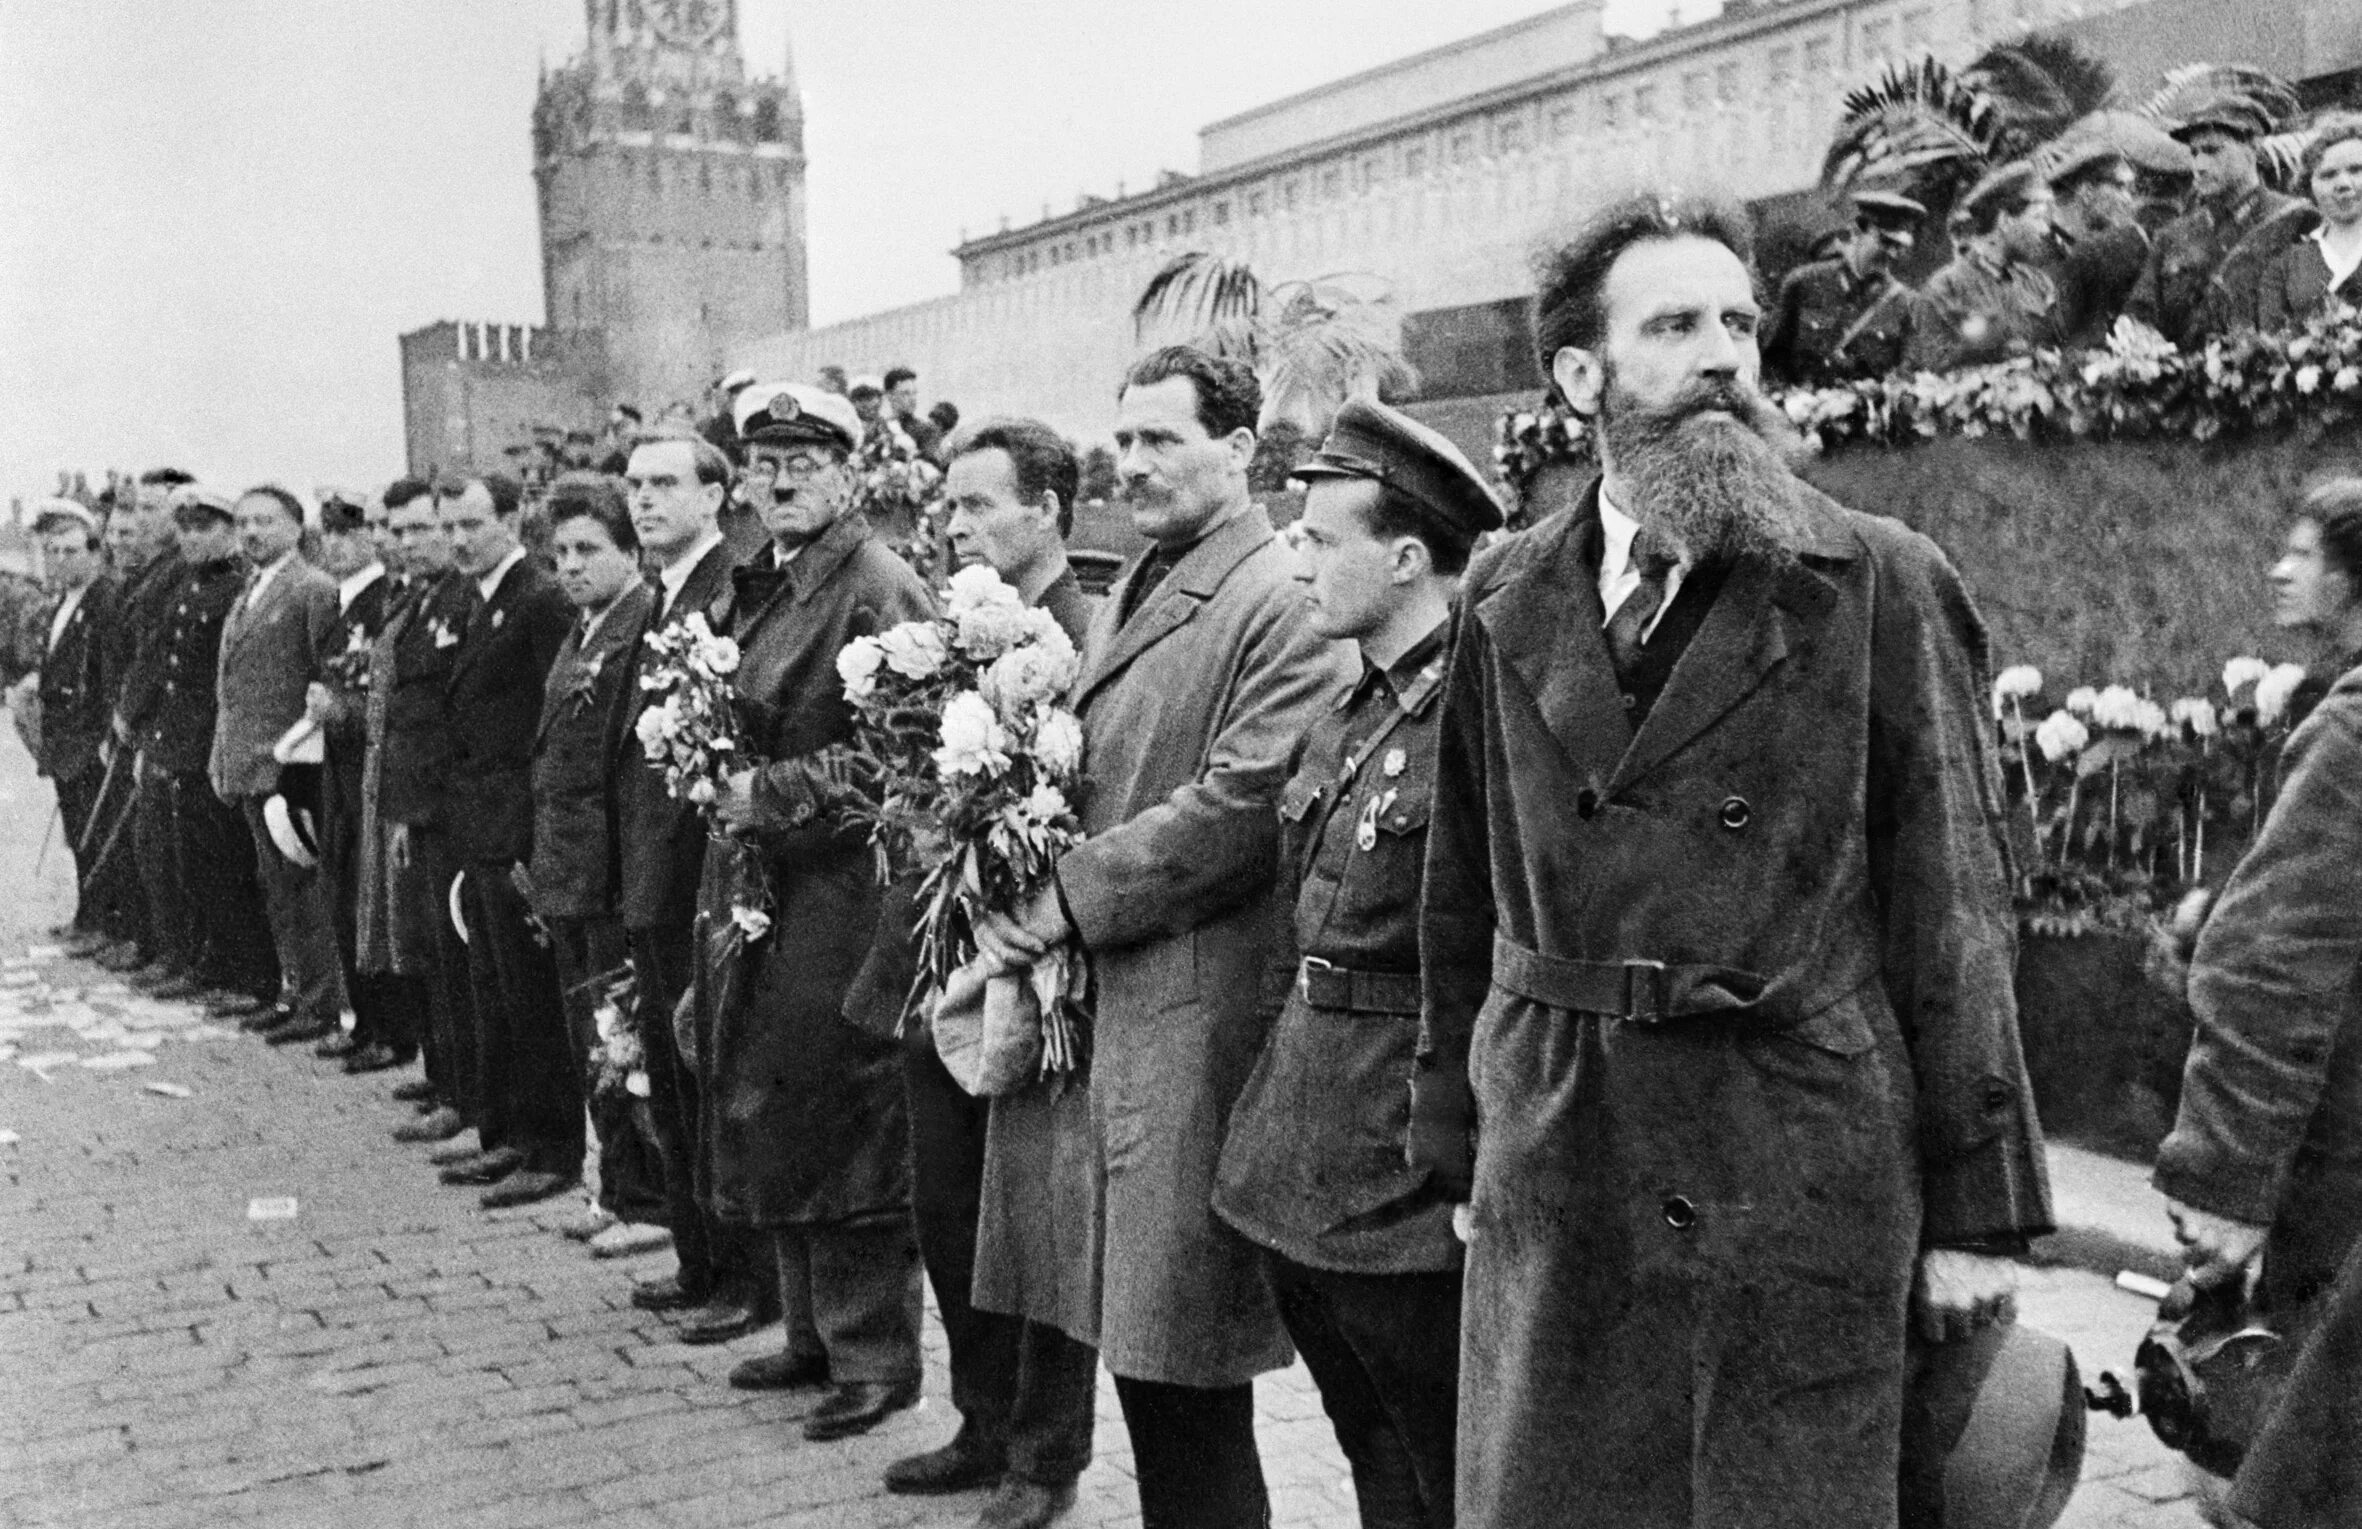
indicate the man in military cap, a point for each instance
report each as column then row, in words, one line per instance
column 141, row 544
column 1849, row 315
column 1995, row 300
column 207, row 881
column 2200, row 275
column 805, row 1133
column 2100, row 246
column 1358, row 1243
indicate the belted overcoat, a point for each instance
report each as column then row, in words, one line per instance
column 1734, row 997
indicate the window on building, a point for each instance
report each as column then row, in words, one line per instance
column 1782, row 68
column 1173, row 226
column 685, row 124
column 1373, row 172
column 1916, row 26
column 1189, row 221
column 1414, row 160
column 705, row 177
column 636, row 117
column 1562, row 124
column 1816, row 55
column 655, row 173
column 1693, row 90
column 1878, row 40
column 1644, row 104
column 1221, row 214
column 1291, row 194
column 1611, row 112
column 1726, row 84
column 767, row 126
column 1332, row 183
column 1258, row 203
column 1509, row 135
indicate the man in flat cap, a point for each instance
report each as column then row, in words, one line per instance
column 1358, row 1243
column 1849, row 315
column 2101, row 247
column 2201, row 273
column 1717, row 938
column 1996, row 298
column 804, row 1131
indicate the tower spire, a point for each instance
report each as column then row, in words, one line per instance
column 787, row 74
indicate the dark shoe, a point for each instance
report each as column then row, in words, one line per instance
column 719, row 1321
column 782, row 1372
column 372, row 1058
column 267, row 1018
column 485, row 1168
column 416, row 1091
column 228, row 1005
column 120, row 957
column 340, row 1043
column 177, row 989
column 963, row 1465
column 300, row 1031
column 858, row 1406
column 526, row 1186
column 664, row 1294
column 1020, row 1504
column 439, row 1124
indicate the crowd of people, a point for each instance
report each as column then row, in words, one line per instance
column 1558, row 985
column 2049, row 251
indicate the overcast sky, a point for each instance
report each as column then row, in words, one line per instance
column 215, row 218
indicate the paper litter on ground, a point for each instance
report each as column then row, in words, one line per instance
column 168, row 1090
column 271, row 1208
column 43, row 1061
column 45, row 952
column 9, row 1138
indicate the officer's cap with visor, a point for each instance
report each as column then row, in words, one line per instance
column 1383, row 445
column 792, row 414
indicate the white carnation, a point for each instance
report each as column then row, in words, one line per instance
column 2060, row 735
column 2274, row 689
column 2117, row 707
column 650, row 729
column 2081, row 699
column 2197, row 714
column 2243, row 671
column 2019, row 681
column 914, row 649
column 717, row 655
column 858, row 663
column 974, row 742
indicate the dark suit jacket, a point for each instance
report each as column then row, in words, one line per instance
column 270, row 655
column 186, row 648
column 348, row 731
column 575, row 762
column 135, row 660
column 415, row 764
column 2295, row 287
column 76, row 697
column 495, row 693
column 662, row 841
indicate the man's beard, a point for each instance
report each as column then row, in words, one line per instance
column 1716, row 484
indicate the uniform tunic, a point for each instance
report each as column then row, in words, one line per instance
column 2191, row 288
column 1831, row 324
column 1314, row 1167
column 1972, row 313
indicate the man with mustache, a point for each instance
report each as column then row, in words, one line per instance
column 1717, row 946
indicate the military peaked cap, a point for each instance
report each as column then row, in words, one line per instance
column 1370, row 440
column 790, row 414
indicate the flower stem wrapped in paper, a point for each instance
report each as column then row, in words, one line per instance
column 976, row 760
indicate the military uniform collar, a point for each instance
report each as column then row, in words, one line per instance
column 1413, row 679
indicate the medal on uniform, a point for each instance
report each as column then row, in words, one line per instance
column 1365, row 832
column 1395, row 763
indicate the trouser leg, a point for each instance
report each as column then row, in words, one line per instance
column 947, row 1186
column 76, row 796
column 425, row 884
column 532, row 1093
column 861, row 1283
column 590, row 960
column 1193, row 1452
column 220, row 883
column 171, row 926
column 295, row 901
column 1053, row 1409
column 1384, row 1351
column 714, row 1259
column 115, row 890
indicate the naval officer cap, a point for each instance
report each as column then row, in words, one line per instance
column 1383, row 445
column 790, row 414
column 50, row 516
column 194, row 504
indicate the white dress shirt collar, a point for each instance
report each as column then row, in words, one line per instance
column 2342, row 263
column 264, row 575
column 1617, row 577
column 350, row 589
column 65, row 613
column 489, row 584
column 675, row 574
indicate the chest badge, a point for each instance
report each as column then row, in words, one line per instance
column 497, row 618
column 1395, row 762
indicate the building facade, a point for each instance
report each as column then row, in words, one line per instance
column 671, row 200
column 1443, row 173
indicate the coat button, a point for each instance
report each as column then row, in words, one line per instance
column 1680, row 1214
column 1997, row 1098
column 1736, row 813
column 1631, row 702
column 1586, row 802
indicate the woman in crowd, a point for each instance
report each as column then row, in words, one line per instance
column 2325, row 266
column 2266, row 1157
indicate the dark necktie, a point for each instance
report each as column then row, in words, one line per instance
column 1626, row 626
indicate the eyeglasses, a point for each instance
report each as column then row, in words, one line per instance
column 793, row 468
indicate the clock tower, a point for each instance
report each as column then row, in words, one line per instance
column 672, row 198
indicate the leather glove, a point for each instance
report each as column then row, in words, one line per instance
column 1442, row 1136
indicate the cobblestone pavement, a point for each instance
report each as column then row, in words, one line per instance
column 373, row 1349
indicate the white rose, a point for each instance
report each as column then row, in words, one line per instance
column 978, row 587
column 1024, row 677
column 650, row 729
column 988, row 631
column 914, row 649
column 2274, row 689
column 2243, row 671
column 2081, row 700
column 974, row 742
column 1058, row 744
column 2060, row 735
column 2018, row 680
column 2195, row 713
column 857, row 665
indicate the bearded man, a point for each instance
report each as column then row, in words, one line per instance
column 1716, row 947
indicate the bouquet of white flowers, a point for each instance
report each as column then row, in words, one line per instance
column 619, row 1063
column 975, row 760
column 691, row 730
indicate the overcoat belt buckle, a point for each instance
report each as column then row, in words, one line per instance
column 1660, row 995
column 1304, row 973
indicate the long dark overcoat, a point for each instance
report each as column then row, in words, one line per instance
column 803, row 1116
column 1190, row 710
column 576, row 865
column 1700, row 1190
column 2270, row 1128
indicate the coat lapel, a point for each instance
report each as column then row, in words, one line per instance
column 1545, row 621
column 1192, row 582
column 1765, row 614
